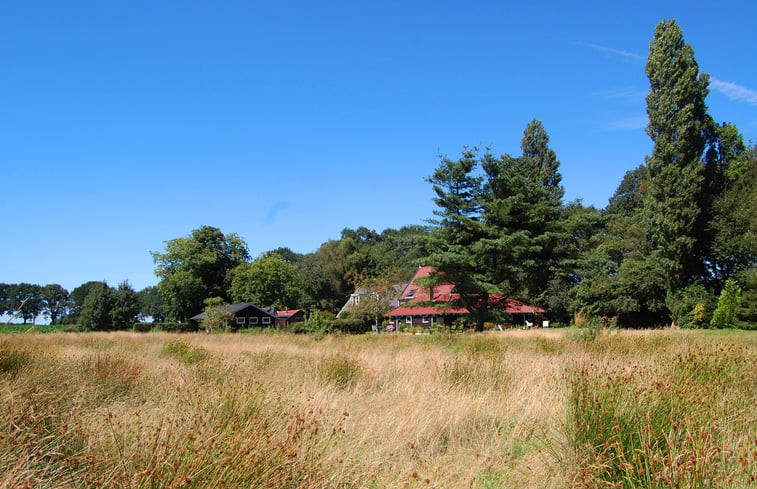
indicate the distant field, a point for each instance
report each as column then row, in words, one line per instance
column 23, row 328
column 497, row 410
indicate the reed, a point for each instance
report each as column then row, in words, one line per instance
column 496, row 410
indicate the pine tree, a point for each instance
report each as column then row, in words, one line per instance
column 498, row 232
column 458, row 230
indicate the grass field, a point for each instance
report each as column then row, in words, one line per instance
column 508, row 410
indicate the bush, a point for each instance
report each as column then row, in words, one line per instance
column 174, row 327
column 185, row 352
column 691, row 307
column 728, row 304
column 340, row 370
column 317, row 324
column 352, row 326
column 142, row 327
column 590, row 328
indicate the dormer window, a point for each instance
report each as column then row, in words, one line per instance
column 410, row 294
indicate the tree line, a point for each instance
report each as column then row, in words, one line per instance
column 208, row 264
column 675, row 244
column 92, row 306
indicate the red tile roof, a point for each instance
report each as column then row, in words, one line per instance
column 443, row 295
column 287, row 314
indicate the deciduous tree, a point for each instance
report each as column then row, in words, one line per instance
column 196, row 267
column 150, row 304
column 679, row 126
column 95, row 314
column 268, row 281
column 125, row 307
column 55, row 301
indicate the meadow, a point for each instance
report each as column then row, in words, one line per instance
column 537, row 408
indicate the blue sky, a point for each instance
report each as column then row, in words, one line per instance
column 128, row 123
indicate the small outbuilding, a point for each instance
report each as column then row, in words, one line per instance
column 285, row 318
column 246, row 315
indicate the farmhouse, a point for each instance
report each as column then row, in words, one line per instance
column 424, row 307
column 363, row 294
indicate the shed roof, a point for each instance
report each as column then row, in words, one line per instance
column 234, row 309
column 287, row 314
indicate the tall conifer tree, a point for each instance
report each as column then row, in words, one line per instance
column 679, row 125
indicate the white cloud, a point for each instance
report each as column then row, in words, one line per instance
column 734, row 91
column 617, row 52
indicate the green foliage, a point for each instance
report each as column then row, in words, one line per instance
column 735, row 217
column 150, row 304
column 340, row 370
column 351, row 326
column 634, row 294
column 683, row 219
column 728, row 305
column 691, row 307
column 95, row 313
column 498, row 232
column 55, row 301
column 168, row 327
column 676, row 202
column 317, row 324
column 196, row 267
column 218, row 317
column 125, row 307
column 268, row 281
column 142, row 327
column 184, row 351
column 591, row 328
column 326, row 276
column 746, row 315
column 373, row 297
column 629, row 196
column 77, row 297
column 24, row 298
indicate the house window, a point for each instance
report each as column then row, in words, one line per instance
column 266, row 320
column 253, row 320
column 357, row 299
column 410, row 294
column 425, row 320
column 240, row 320
column 409, row 321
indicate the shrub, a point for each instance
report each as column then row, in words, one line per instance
column 174, row 327
column 592, row 327
column 340, row 370
column 317, row 324
column 690, row 307
column 185, row 352
column 349, row 325
column 142, row 327
column 728, row 304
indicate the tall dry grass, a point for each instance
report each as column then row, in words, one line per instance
column 515, row 409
